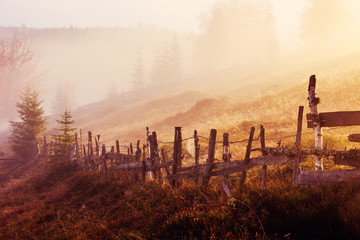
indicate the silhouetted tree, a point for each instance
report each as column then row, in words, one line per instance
column 16, row 69
column 63, row 98
column 138, row 73
column 167, row 64
column 23, row 139
column 65, row 139
column 329, row 24
column 236, row 32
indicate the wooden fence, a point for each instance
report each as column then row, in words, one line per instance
column 149, row 162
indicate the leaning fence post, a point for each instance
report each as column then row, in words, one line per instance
column 297, row 161
column 103, row 156
column 144, row 164
column 247, row 157
column 262, row 143
column 197, row 154
column 45, row 150
column 210, row 159
column 117, row 147
column 156, row 157
column 177, row 153
column 313, row 102
column 77, row 148
column 148, row 151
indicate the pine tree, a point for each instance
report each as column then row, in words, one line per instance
column 23, row 139
column 138, row 73
column 65, row 139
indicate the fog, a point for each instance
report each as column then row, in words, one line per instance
column 99, row 58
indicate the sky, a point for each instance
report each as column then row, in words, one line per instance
column 180, row 15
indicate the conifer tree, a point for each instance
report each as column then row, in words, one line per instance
column 138, row 73
column 23, row 139
column 65, row 138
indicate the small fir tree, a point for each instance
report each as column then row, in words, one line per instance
column 23, row 139
column 65, row 140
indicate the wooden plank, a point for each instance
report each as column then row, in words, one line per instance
column 225, row 168
column 354, row 137
column 315, row 178
column 335, row 119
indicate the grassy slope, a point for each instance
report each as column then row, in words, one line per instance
column 63, row 203
column 66, row 204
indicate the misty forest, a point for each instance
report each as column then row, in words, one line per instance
column 221, row 119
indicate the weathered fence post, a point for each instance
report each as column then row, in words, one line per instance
column 103, row 158
column 97, row 142
column 264, row 168
column 313, row 102
column 226, row 154
column 77, row 148
column 247, row 157
column 226, row 158
column 210, row 159
column 177, row 153
column 131, row 149
column 197, row 154
column 296, row 170
column 164, row 160
column 155, row 157
column 144, row 164
column 117, row 147
column 45, row 150
column 148, row 151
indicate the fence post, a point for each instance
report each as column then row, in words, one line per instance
column 164, row 160
column 264, row 168
column 45, row 150
column 77, row 148
column 156, row 157
column 131, row 149
column 144, row 164
column 97, row 142
column 117, row 147
column 226, row 154
column 177, row 153
column 90, row 149
column 148, row 151
column 210, row 159
column 313, row 102
column 197, row 154
column 103, row 156
column 297, row 161
column 247, row 158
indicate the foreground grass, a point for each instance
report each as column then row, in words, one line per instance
column 66, row 203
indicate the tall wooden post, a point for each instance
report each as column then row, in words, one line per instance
column 45, row 150
column 148, row 151
column 103, row 157
column 247, row 157
column 313, row 102
column 197, row 155
column 210, row 159
column 131, row 149
column 177, row 152
column 77, row 148
column 296, row 170
column 144, row 164
column 264, row 168
column 117, row 147
column 226, row 153
column 155, row 156
column 97, row 142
